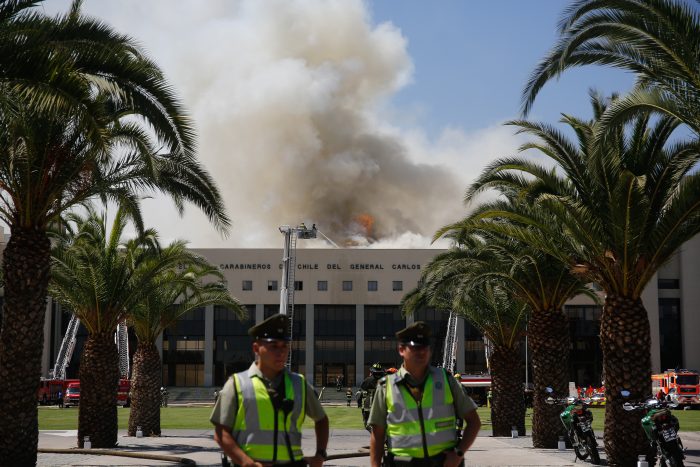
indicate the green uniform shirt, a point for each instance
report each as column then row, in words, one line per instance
column 225, row 409
column 463, row 404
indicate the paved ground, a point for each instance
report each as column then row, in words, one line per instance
column 198, row 446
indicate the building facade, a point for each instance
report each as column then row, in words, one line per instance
column 347, row 309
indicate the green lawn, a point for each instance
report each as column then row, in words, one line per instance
column 51, row 418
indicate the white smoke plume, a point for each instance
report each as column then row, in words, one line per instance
column 285, row 95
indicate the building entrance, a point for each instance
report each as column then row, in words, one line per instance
column 333, row 374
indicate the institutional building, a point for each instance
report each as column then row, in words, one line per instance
column 347, row 309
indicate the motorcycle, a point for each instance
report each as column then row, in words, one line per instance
column 661, row 428
column 577, row 420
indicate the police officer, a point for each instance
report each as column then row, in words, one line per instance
column 260, row 411
column 417, row 408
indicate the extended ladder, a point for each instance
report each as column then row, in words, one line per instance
column 289, row 266
column 65, row 353
column 450, row 351
column 122, row 341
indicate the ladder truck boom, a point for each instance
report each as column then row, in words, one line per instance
column 65, row 353
column 450, row 350
column 289, row 261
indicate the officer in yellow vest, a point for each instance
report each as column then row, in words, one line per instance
column 259, row 413
column 417, row 407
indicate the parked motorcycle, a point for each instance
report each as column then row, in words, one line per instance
column 661, row 428
column 577, row 420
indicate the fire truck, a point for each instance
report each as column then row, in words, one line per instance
column 49, row 390
column 680, row 385
column 476, row 386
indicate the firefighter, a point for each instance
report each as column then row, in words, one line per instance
column 368, row 387
column 417, row 408
column 260, row 411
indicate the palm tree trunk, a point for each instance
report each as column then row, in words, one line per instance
column 626, row 344
column 26, row 263
column 99, row 381
column 548, row 338
column 508, row 402
column 145, row 391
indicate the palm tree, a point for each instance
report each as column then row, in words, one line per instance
column 53, row 160
column 450, row 283
column 158, row 310
column 101, row 277
column 657, row 40
column 625, row 204
column 542, row 282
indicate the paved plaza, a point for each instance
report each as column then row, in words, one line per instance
column 198, row 446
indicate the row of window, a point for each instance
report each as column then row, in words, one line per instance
column 322, row 286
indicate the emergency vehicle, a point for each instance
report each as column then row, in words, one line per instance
column 476, row 386
column 48, row 391
column 50, row 388
column 680, row 385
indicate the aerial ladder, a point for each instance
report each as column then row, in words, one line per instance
column 449, row 353
column 122, row 340
column 289, row 266
column 65, row 352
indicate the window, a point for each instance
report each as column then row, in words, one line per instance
column 272, row 285
column 397, row 286
column 347, row 286
column 323, row 286
column 298, row 285
column 372, row 286
column 247, row 285
column 669, row 284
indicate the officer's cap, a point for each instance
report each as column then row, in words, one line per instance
column 416, row 334
column 273, row 328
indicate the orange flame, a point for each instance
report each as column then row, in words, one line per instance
column 366, row 221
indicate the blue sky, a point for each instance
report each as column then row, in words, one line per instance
column 472, row 60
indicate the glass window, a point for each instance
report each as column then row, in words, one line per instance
column 397, row 286
column 323, row 286
column 347, row 286
column 272, row 285
column 298, row 285
column 372, row 286
column 247, row 285
column 669, row 283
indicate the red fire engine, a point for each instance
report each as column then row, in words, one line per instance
column 681, row 386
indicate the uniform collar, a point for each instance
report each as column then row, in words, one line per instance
column 404, row 375
column 254, row 370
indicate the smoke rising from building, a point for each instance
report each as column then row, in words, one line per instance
column 287, row 97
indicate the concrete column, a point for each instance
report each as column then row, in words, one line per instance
column 310, row 344
column 259, row 313
column 57, row 325
column 359, row 343
column 650, row 299
column 209, row 345
column 410, row 319
column 690, row 302
column 159, row 345
column 46, row 349
column 459, row 365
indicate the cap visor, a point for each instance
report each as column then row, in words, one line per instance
column 273, row 339
column 418, row 343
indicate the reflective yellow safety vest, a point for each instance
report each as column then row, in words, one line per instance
column 254, row 426
column 420, row 429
